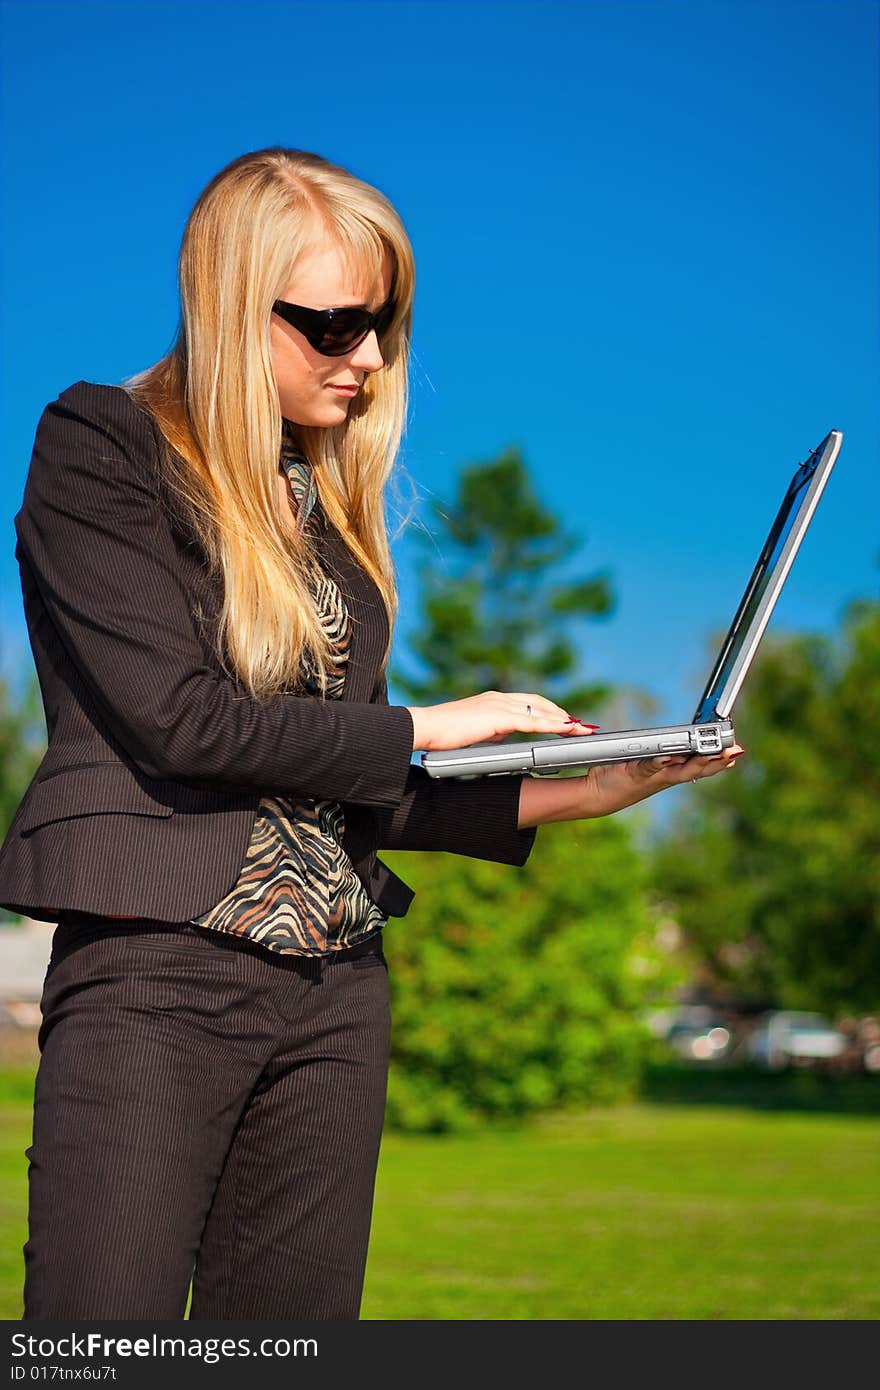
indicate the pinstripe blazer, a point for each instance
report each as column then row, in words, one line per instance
column 156, row 760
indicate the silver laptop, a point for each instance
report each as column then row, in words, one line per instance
column 710, row 731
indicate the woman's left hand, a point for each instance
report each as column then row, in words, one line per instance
column 616, row 785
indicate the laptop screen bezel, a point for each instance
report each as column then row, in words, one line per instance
column 741, row 642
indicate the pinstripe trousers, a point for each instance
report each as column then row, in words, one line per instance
column 205, row 1112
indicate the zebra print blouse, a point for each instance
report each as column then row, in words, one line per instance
column 297, row 892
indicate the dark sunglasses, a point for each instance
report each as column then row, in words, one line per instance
column 333, row 332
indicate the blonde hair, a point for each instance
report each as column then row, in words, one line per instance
column 214, row 399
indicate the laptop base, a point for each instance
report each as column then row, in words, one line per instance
column 544, row 757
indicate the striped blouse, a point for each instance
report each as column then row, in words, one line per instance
column 297, row 892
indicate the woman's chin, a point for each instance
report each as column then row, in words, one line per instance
column 324, row 418
column 335, row 410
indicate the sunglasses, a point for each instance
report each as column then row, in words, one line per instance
column 334, row 332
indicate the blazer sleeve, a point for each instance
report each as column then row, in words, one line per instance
column 94, row 533
column 477, row 817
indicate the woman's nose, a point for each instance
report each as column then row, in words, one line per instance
column 368, row 354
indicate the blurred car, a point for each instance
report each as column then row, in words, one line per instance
column 787, row 1038
column 696, row 1035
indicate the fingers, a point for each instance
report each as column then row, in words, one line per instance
column 533, row 711
column 521, row 701
column 699, row 768
column 678, row 768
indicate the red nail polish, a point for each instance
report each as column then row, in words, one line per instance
column 583, row 722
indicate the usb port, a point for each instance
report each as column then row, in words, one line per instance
column 708, row 741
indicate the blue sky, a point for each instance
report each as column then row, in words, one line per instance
column 645, row 236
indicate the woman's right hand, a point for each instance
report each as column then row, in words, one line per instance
column 489, row 717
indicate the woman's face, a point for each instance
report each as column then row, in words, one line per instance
column 305, row 379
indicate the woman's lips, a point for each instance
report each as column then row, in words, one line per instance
column 346, row 390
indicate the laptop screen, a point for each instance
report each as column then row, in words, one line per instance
column 768, row 576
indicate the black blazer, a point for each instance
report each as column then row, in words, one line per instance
column 144, row 802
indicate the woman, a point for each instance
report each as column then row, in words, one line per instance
column 210, row 599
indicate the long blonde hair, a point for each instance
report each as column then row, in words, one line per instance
column 214, row 399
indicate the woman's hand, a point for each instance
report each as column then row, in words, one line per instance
column 616, row 785
column 489, row 717
column 612, row 786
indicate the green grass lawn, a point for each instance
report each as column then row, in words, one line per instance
column 708, row 1211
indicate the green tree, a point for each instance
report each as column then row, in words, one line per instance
column 493, row 615
column 514, row 989
column 22, row 742
column 22, row 745
column 774, row 873
column 519, row 990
